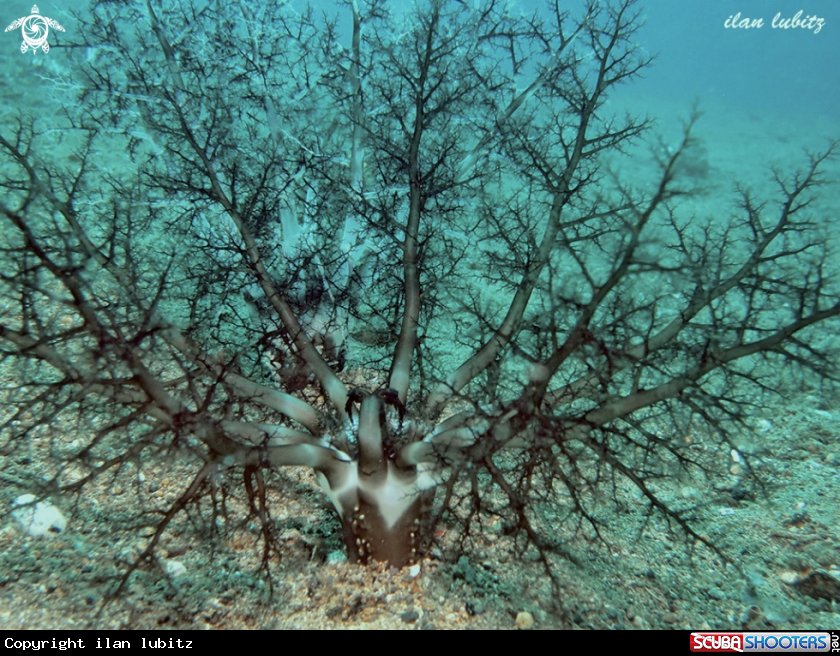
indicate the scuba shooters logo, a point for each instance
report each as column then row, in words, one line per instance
column 717, row 642
column 777, row 641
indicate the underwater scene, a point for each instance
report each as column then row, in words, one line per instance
column 446, row 314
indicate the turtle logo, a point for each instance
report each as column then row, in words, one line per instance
column 35, row 29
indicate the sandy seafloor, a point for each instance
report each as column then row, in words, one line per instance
column 649, row 577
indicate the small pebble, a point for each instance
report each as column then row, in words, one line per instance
column 38, row 519
column 474, row 608
column 174, row 569
column 669, row 618
column 790, row 577
column 409, row 617
column 524, row 620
